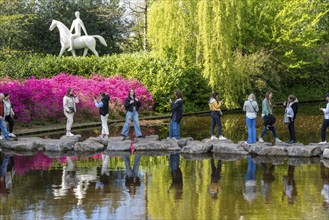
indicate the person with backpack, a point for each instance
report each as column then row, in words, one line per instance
column 291, row 112
column 103, row 106
column 268, row 118
column 251, row 108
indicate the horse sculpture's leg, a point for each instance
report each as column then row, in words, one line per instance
column 73, row 53
column 61, row 52
column 85, row 52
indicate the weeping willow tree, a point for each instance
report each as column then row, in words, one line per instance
column 242, row 46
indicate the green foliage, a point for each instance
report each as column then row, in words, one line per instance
column 160, row 76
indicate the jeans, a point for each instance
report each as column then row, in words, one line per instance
column 105, row 127
column 291, row 127
column 4, row 128
column 251, row 124
column 132, row 172
column 11, row 123
column 216, row 121
column 174, row 130
column 131, row 116
column 324, row 127
column 69, row 121
column 266, row 129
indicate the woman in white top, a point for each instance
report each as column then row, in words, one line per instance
column 251, row 108
column 69, row 101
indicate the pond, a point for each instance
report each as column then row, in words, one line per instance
column 169, row 185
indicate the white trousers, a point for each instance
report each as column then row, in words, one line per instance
column 69, row 121
column 105, row 127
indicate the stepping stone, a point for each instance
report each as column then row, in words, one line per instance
column 197, row 147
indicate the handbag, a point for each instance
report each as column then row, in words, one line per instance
column 71, row 109
column 286, row 119
column 269, row 120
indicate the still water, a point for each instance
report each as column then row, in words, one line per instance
column 169, row 186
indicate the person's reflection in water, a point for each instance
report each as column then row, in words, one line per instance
column 325, row 189
column 132, row 177
column 69, row 179
column 176, row 175
column 6, row 172
column 267, row 180
column 104, row 175
column 215, row 177
column 250, row 187
column 290, row 189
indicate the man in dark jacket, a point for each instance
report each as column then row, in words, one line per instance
column 176, row 115
column 103, row 106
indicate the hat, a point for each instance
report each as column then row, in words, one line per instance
column 326, row 95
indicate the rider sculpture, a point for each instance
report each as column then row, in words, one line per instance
column 77, row 25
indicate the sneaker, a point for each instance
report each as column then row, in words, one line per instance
column 221, row 137
column 11, row 135
column 69, row 134
column 213, row 137
column 141, row 136
column 125, row 138
column 260, row 140
column 277, row 140
column 322, row 142
column 1, row 137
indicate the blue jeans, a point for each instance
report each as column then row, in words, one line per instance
column 4, row 128
column 251, row 124
column 266, row 129
column 131, row 116
column 174, row 130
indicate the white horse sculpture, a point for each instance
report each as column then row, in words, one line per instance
column 86, row 41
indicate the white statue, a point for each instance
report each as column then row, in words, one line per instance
column 76, row 41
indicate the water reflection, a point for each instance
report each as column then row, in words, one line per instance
column 73, row 183
column 325, row 188
column 267, row 181
column 250, row 190
column 132, row 180
column 104, row 175
column 6, row 173
column 176, row 175
column 290, row 189
column 214, row 186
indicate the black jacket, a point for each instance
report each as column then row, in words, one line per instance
column 104, row 110
column 177, row 110
column 130, row 107
column 295, row 109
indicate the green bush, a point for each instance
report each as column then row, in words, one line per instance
column 160, row 76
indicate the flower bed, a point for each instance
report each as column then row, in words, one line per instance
column 42, row 99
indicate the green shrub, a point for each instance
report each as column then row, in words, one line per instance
column 161, row 77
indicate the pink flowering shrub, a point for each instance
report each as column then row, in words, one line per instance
column 42, row 99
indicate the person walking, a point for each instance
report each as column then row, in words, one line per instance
column 9, row 114
column 69, row 106
column 103, row 106
column 251, row 108
column 325, row 123
column 216, row 114
column 291, row 111
column 2, row 117
column 132, row 105
column 176, row 115
column 268, row 118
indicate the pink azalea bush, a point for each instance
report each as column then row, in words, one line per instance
column 42, row 99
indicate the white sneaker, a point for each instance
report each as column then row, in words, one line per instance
column 69, row 134
column 277, row 140
column 1, row 137
column 260, row 140
column 322, row 142
column 221, row 137
column 11, row 135
column 213, row 137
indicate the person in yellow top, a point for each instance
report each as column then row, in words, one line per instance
column 216, row 114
